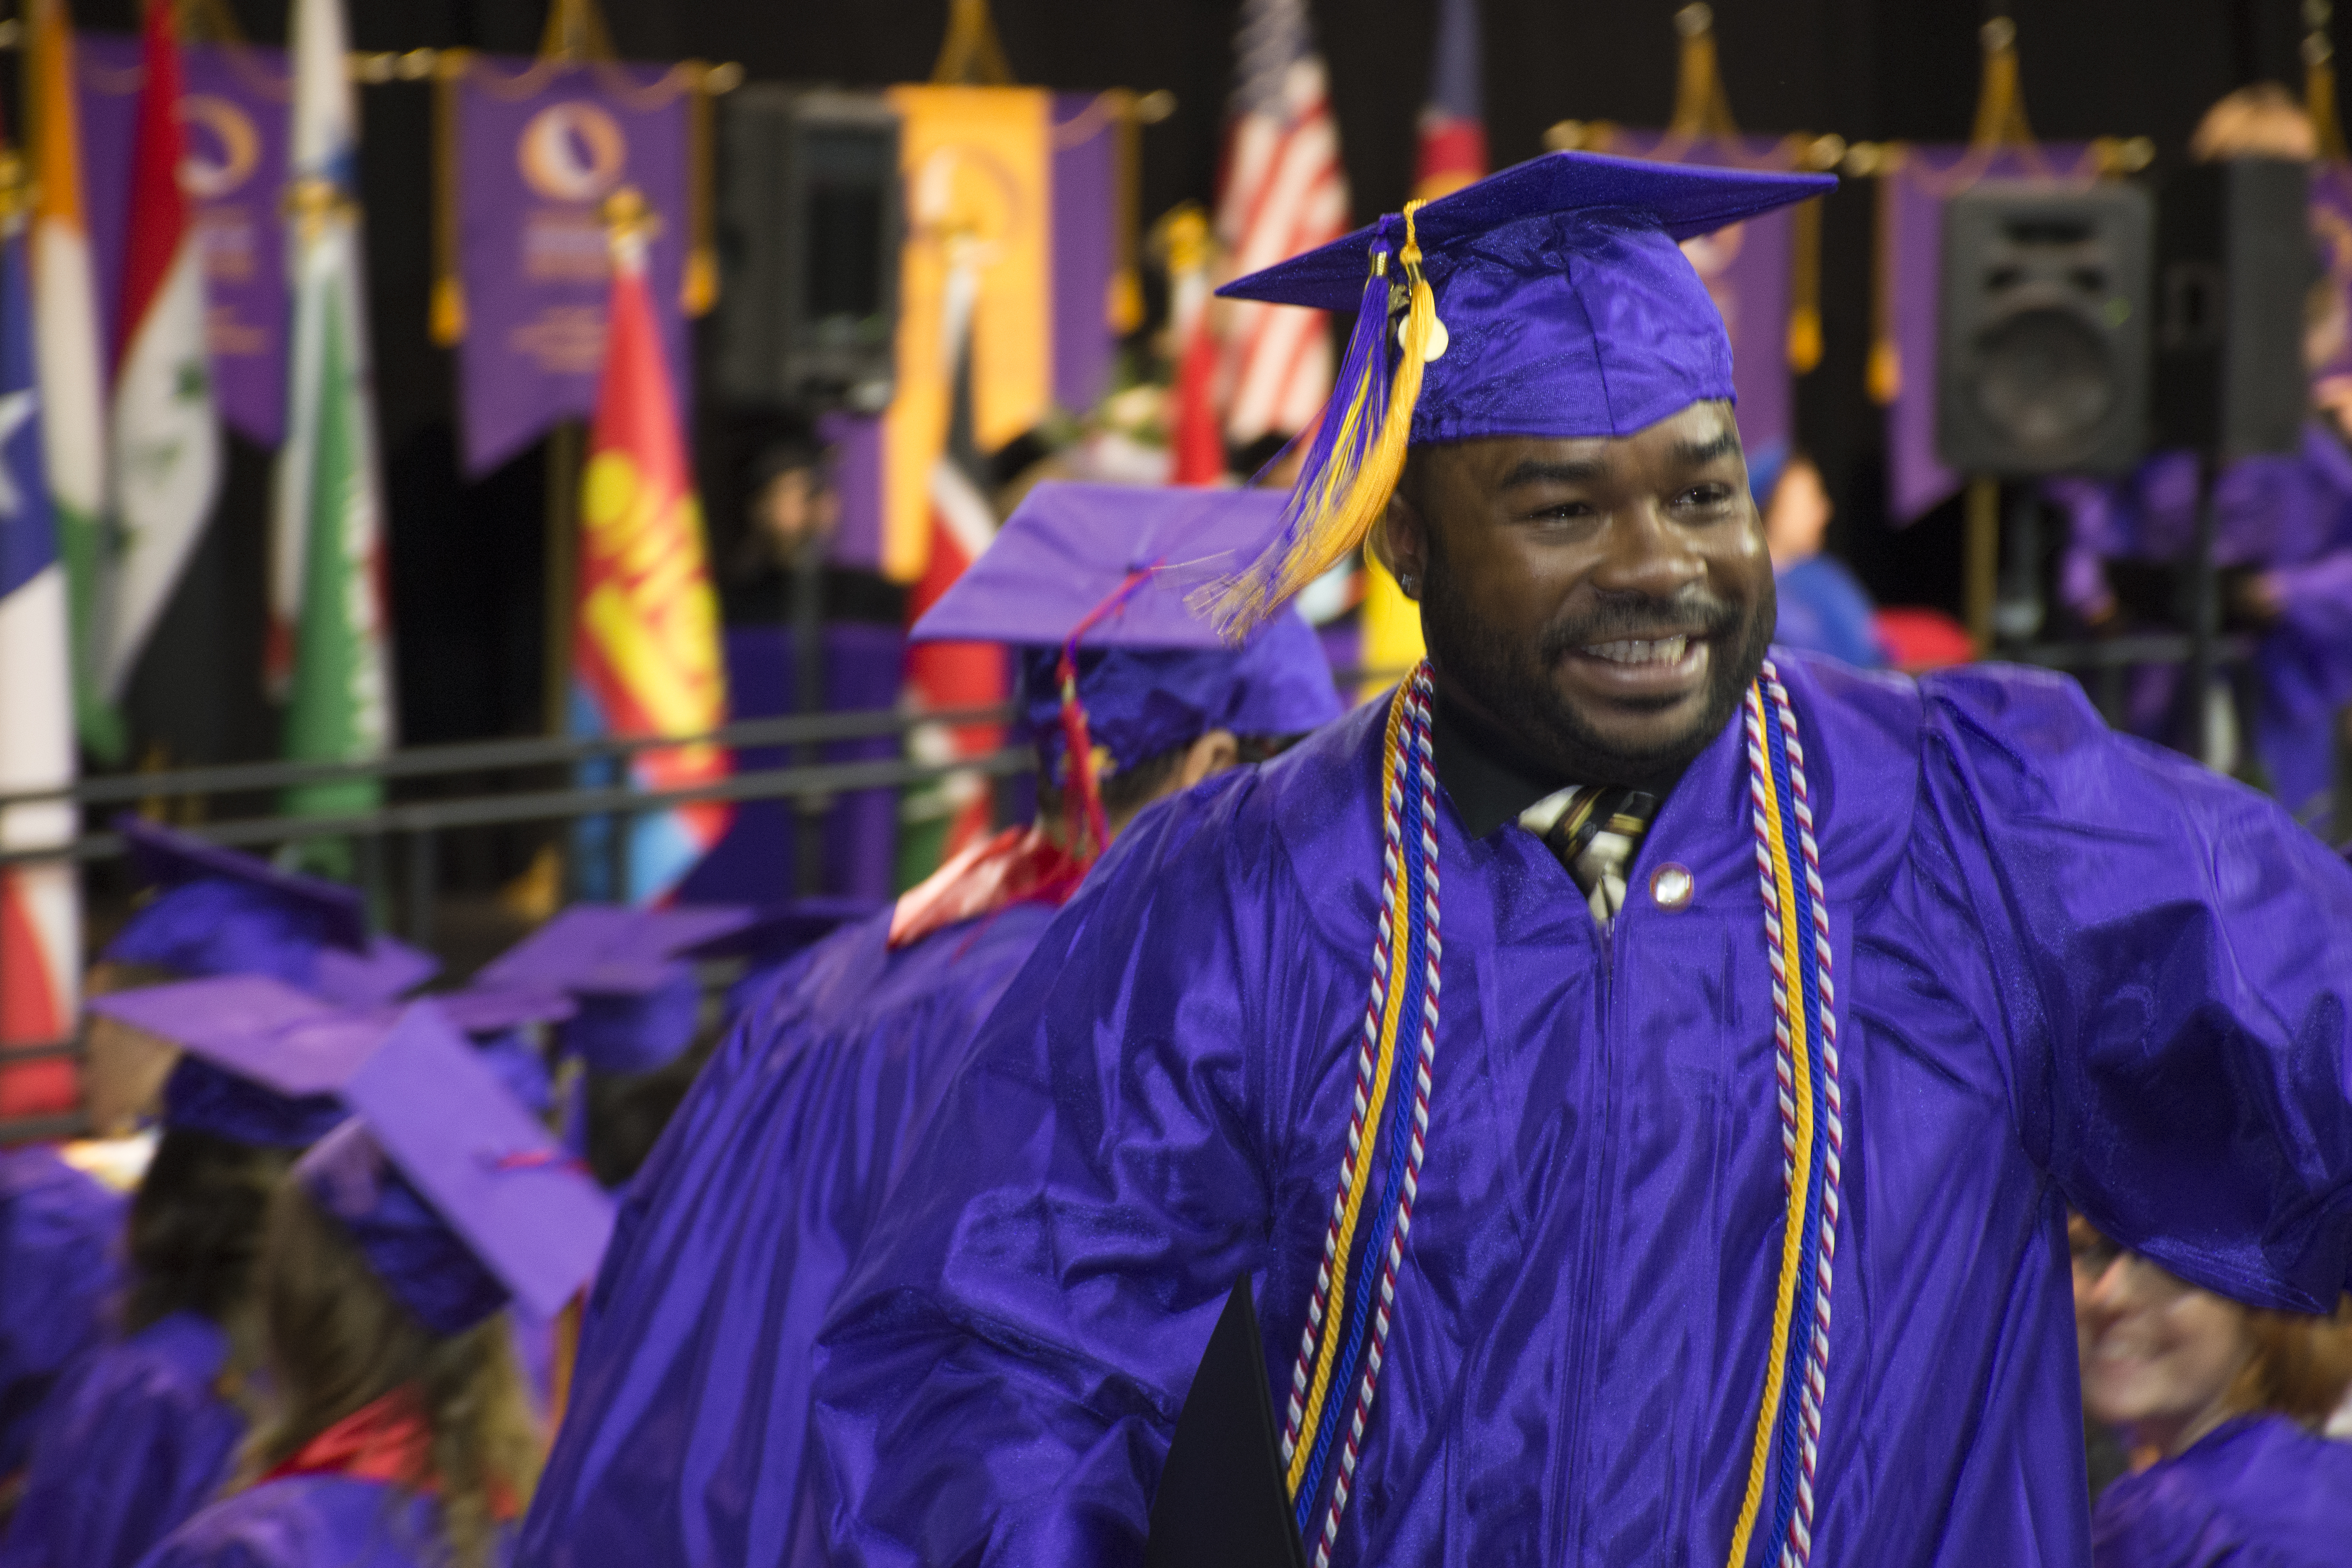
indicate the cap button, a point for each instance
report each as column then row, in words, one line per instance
column 1670, row 886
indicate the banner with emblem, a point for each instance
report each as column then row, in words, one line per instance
column 530, row 150
column 235, row 105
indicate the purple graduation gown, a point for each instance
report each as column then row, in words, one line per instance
column 58, row 1267
column 2291, row 515
column 2072, row 969
column 682, row 1444
column 2259, row 1492
column 314, row 1521
column 135, row 1441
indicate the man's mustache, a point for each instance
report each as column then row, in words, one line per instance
column 1640, row 618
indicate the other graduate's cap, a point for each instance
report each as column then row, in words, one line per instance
column 495, row 1018
column 1551, row 298
column 457, row 1199
column 1103, row 578
column 261, row 1062
column 221, row 911
column 638, row 1002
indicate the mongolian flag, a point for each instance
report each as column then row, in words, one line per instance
column 70, row 349
column 328, row 640
column 40, row 906
column 646, row 649
column 166, row 444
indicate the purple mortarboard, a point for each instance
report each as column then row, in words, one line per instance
column 457, row 1199
column 494, row 1018
column 1116, row 568
column 261, row 1062
column 221, row 911
column 1551, row 299
column 638, row 1003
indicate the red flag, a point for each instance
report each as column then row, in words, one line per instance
column 646, row 642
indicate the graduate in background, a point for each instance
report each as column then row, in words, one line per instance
column 1688, row 1182
column 144, row 1430
column 2229, row 1399
column 60, row 1236
column 683, row 1439
column 399, row 1436
column 1823, row 606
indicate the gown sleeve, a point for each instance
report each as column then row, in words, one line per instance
column 2168, row 964
column 1000, row 1373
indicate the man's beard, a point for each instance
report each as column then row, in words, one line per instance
column 1513, row 682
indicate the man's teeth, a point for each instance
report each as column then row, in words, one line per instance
column 1642, row 650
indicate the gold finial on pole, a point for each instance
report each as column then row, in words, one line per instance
column 1701, row 108
column 2319, row 80
column 972, row 56
column 2000, row 102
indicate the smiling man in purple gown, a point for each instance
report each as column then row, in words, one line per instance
column 1692, row 1187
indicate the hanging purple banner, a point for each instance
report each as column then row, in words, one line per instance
column 2331, row 232
column 539, row 147
column 1914, row 181
column 1085, row 259
column 234, row 112
column 1747, row 271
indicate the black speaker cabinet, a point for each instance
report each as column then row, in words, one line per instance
column 810, row 223
column 2234, row 265
column 2043, row 360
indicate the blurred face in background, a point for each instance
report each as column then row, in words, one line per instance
column 2160, row 1357
column 1797, row 518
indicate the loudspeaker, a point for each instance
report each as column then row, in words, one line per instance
column 2043, row 362
column 2235, row 264
column 810, row 223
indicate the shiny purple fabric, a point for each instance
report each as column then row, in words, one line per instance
column 60, row 1264
column 135, row 1441
column 2290, row 516
column 418, row 1255
column 2071, row 969
column 220, row 925
column 316, row 1521
column 2259, row 1492
column 690, row 1401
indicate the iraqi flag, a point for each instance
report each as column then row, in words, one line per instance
column 40, row 903
column 645, row 653
column 166, row 439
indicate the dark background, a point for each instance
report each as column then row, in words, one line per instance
column 464, row 559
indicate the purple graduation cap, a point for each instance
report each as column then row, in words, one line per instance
column 220, row 911
column 1107, row 574
column 637, row 999
column 458, row 1200
column 1551, row 299
column 495, row 1018
column 261, row 1062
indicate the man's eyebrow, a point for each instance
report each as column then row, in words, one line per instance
column 1693, row 454
column 1536, row 471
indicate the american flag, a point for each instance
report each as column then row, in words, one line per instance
column 1282, row 191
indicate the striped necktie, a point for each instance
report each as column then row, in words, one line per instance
column 1595, row 830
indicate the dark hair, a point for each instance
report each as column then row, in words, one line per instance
column 1126, row 791
column 2300, row 1365
column 339, row 1341
column 195, row 1232
column 628, row 1112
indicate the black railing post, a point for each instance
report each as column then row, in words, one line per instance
column 423, row 874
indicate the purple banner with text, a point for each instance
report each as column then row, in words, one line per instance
column 539, row 148
column 234, row 110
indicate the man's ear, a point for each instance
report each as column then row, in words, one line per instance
column 1400, row 542
column 1214, row 752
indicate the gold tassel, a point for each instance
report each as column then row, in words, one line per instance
column 1123, row 309
column 1805, row 286
column 447, row 320
column 1884, row 375
column 2319, row 87
column 1346, row 499
column 698, row 290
